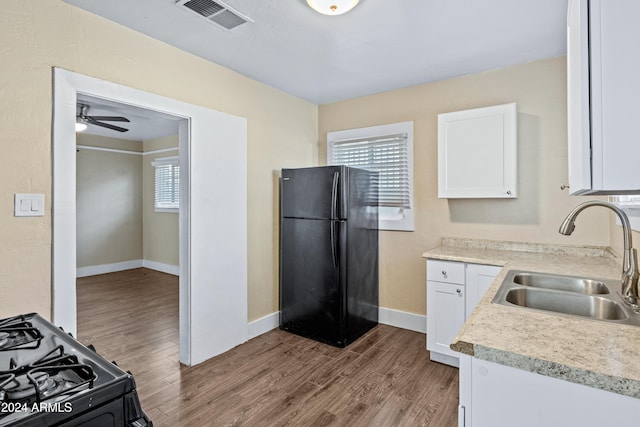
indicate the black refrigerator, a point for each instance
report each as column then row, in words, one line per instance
column 329, row 253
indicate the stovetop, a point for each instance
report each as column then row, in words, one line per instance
column 45, row 371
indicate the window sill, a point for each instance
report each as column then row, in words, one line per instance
column 397, row 222
column 167, row 210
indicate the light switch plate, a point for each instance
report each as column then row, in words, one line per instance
column 28, row 204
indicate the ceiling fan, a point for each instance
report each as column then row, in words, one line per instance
column 82, row 117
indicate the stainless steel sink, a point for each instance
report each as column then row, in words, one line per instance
column 567, row 295
column 567, row 303
column 561, row 283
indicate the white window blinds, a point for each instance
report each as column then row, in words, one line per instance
column 167, row 184
column 626, row 201
column 388, row 155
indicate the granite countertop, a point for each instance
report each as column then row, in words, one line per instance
column 584, row 351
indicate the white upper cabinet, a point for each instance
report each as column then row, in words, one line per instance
column 477, row 153
column 603, row 60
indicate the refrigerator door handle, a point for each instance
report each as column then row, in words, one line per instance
column 334, row 213
column 334, row 246
column 334, row 195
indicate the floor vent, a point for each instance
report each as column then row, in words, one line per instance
column 216, row 12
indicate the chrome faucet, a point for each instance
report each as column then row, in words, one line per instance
column 630, row 274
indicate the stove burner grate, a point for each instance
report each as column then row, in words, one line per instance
column 13, row 320
column 54, row 374
column 4, row 338
column 26, row 386
column 4, row 380
column 19, row 336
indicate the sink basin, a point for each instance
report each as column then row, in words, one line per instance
column 586, row 297
column 561, row 283
column 568, row 303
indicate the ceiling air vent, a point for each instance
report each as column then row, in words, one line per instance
column 216, row 11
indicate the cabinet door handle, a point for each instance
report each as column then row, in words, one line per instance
column 444, row 272
column 459, row 291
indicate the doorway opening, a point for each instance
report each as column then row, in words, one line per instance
column 120, row 224
column 212, row 243
column 127, row 222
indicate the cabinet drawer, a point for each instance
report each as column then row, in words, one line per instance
column 445, row 271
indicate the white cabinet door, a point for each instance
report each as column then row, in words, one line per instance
column 478, row 279
column 445, row 308
column 503, row 396
column 578, row 96
column 603, row 88
column 465, row 404
column 484, row 281
column 477, row 153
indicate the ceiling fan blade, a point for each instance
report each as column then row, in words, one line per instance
column 92, row 121
column 110, row 118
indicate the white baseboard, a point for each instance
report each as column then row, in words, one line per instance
column 164, row 268
column 387, row 316
column 264, row 324
column 93, row 270
column 402, row 319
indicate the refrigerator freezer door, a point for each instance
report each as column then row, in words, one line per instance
column 311, row 295
column 317, row 193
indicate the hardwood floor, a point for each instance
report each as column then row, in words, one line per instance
column 277, row 379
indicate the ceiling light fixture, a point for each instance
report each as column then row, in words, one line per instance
column 80, row 126
column 332, row 7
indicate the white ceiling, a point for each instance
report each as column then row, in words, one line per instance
column 143, row 124
column 378, row 46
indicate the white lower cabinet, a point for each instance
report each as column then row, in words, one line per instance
column 445, row 305
column 453, row 291
column 494, row 395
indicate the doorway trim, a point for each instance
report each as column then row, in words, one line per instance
column 213, row 241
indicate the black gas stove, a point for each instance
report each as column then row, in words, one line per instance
column 47, row 378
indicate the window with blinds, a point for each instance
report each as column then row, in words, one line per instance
column 167, row 184
column 630, row 204
column 387, row 155
column 387, row 150
column 626, row 201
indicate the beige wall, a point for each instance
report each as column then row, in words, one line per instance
column 539, row 89
column 86, row 139
column 108, row 202
column 40, row 34
column 116, row 219
column 159, row 229
column 282, row 132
